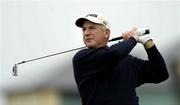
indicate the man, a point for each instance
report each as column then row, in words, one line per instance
column 109, row 75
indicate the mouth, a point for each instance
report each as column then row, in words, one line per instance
column 88, row 39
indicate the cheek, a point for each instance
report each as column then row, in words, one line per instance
column 101, row 36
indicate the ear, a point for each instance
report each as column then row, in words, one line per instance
column 107, row 33
column 106, row 36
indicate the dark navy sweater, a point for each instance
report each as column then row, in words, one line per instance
column 109, row 75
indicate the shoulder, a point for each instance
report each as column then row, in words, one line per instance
column 80, row 53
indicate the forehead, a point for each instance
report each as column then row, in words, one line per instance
column 86, row 23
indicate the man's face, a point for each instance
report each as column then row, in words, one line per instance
column 94, row 35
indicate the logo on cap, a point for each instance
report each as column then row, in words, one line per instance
column 93, row 15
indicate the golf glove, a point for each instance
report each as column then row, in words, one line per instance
column 143, row 39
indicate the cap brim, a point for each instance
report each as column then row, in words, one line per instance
column 80, row 22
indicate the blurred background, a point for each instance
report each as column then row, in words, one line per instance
column 35, row 28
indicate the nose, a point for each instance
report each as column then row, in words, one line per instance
column 86, row 33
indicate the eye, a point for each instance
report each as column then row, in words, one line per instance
column 92, row 27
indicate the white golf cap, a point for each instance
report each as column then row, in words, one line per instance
column 95, row 18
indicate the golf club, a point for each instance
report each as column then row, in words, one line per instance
column 15, row 67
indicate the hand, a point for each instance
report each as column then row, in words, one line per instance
column 132, row 33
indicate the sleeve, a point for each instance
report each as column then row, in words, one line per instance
column 123, row 48
column 120, row 49
column 153, row 70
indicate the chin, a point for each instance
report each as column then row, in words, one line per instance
column 90, row 45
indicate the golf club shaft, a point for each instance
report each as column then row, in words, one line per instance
column 140, row 33
column 16, row 65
